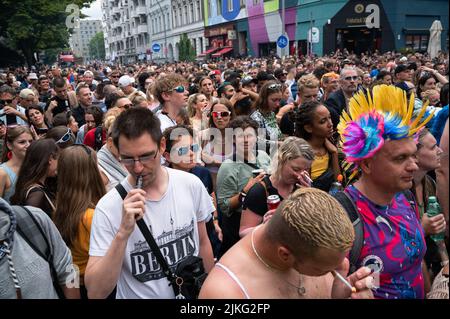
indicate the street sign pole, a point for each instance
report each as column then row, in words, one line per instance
column 283, row 27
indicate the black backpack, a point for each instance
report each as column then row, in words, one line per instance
column 352, row 212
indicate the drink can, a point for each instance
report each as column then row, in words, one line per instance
column 273, row 201
column 256, row 172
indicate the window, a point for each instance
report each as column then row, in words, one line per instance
column 219, row 7
column 186, row 21
column 242, row 3
column 199, row 8
column 230, row 5
column 191, row 7
column 175, row 15
column 417, row 42
column 255, row 2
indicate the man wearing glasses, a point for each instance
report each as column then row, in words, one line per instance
column 173, row 204
column 114, row 77
column 11, row 113
column 338, row 101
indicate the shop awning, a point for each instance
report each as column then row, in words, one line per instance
column 208, row 52
column 221, row 52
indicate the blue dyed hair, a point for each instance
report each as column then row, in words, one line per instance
column 393, row 129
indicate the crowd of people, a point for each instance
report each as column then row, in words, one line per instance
column 197, row 149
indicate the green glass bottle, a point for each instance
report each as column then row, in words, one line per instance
column 434, row 209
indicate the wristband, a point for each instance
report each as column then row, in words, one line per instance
column 242, row 196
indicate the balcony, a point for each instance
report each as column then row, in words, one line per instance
column 141, row 10
column 142, row 28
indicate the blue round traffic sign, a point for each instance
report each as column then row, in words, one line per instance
column 156, row 47
column 282, row 41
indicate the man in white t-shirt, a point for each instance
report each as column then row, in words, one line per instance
column 171, row 92
column 173, row 204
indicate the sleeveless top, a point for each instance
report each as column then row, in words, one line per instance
column 12, row 178
column 234, row 278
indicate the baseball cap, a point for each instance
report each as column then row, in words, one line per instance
column 214, row 72
column 248, row 79
column 402, row 68
column 32, row 76
column 25, row 93
column 125, row 80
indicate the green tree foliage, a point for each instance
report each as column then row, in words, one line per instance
column 187, row 51
column 30, row 26
column 97, row 47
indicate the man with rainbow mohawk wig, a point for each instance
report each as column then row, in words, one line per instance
column 378, row 138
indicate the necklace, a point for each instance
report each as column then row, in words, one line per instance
column 300, row 289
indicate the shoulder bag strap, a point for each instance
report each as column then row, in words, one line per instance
column 149, row 238
column 38, row 241
column 352, row 212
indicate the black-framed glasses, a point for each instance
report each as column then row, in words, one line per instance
column 221, row 114
column 274, row 86
column 350, row 78
column 142, row 159
column 184, row 150
column 178, row 89
column 65, row 138
column 5, row 102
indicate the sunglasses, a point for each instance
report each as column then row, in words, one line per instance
column 65, row 138
column 4, row 102
column 126, row 106
column 178, row 89
column 221, row 114
column 143, row 159
column 184, row 150
column 274, row 86
column 350, row 78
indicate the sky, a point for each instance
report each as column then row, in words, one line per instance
column 94, row 12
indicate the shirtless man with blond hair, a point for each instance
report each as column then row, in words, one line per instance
column 293, row 255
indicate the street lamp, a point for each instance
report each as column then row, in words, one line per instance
column 165, row 31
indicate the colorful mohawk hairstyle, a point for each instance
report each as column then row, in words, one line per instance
column 383, row 115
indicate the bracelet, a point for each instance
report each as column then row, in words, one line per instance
column 242, row 196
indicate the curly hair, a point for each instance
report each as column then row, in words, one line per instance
column 302, row 116
column 310, row 219
column 309, row 81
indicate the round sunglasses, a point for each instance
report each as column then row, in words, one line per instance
column 221, row 114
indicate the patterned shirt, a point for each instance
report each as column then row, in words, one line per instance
column 394, row 246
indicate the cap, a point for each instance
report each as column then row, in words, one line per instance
column 32, row 76
column 402, row 68
column 403, row 59
column 248, row 79
column 25, row 93
column 125, row 80
column 214, row 72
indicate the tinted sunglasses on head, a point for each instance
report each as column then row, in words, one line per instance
column 184, row 150
column 221, row 114
column 65, row 138
column 274, row 86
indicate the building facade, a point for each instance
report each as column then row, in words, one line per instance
column 221, row 28
column 133, row 27
column 83, row 33
column 251, row 27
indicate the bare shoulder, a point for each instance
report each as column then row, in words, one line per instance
column 219, row 285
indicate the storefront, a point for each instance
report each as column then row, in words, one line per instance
column 359, row 27
column 220, row 38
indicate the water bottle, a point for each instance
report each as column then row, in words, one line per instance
column 336, row 186
column 434, row 209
